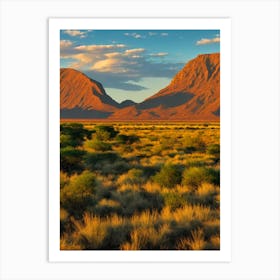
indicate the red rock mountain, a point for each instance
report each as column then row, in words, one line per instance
column 82, row 97
column 193, row 94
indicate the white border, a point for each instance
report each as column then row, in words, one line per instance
column 224, row 254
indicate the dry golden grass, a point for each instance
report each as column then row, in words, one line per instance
column 63, row 214
column 215, row 241
column 92, row 229
column 151, row 187
column 186, row 214
column 108, row 202
column 196, row 242
column 145, row 219
column 129, row 209
column 65, row 244
column 206, row 189
column 143, row 237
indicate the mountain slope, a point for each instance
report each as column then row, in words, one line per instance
column 193, row 94
column 82, row 97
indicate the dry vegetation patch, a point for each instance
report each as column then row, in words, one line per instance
column 140, row 186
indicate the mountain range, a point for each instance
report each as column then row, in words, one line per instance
column 193, row 94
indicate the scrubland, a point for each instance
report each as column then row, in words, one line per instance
column 140, row 186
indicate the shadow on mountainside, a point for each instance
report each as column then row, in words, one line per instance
column 167, row 101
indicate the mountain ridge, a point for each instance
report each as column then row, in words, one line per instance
column 192, row 94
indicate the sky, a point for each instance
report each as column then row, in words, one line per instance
column 133, row 64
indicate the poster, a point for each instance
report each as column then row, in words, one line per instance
column 139, row 156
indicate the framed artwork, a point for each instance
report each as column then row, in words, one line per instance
column 42, row 233
column 139, row 139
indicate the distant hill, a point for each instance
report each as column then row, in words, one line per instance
column 127, row 103
column 193, row 94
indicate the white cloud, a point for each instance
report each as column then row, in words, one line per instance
column 75, row 33
column 134, row 35
column 98, row 47
column 159, row 54
column 134, row 51
column 205, row 41
column 102, row 58
column 65, row 44
column 115, row 63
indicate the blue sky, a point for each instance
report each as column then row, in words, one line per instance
column 133, row 64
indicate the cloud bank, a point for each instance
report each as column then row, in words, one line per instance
column 116, row 65
column 76, row 33
column 206, row 41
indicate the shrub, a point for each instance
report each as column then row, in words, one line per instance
column 105, row 132
column 107, row 163
column 66, row 140
column 192, row 144
column 214, row 150
column 106, row 207
column 64, row 179
column 71, row 160
column 98, row 145
column 73, row 134
column 127, row 139
column 173, row 200
column 138, row 201
column 64, row 220
column 94, row 232
column 132, row 177
column 95, row 161
column 90, row 232
column 79, row 194
column 169, row 176
column 213, row 176
column 195, row 176
column 146, row 238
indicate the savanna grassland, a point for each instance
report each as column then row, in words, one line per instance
column 140, row 186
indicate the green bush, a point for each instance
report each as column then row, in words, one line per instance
column 79, row 194
column 174, row 200
column 138, row 201
column 133, row 176
column 116, row 235
column 192, row 144
column 195, row 176
column 214, row 150
column 64, row 180
column 98, row 145
column 213, row 176
column 71, row 160
column 105, row 132
column 103, row 162
column 107, row 207
column 95, row 161
column 169, row 176
column 66, row 140
column 127, row 139
column 73, row 134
